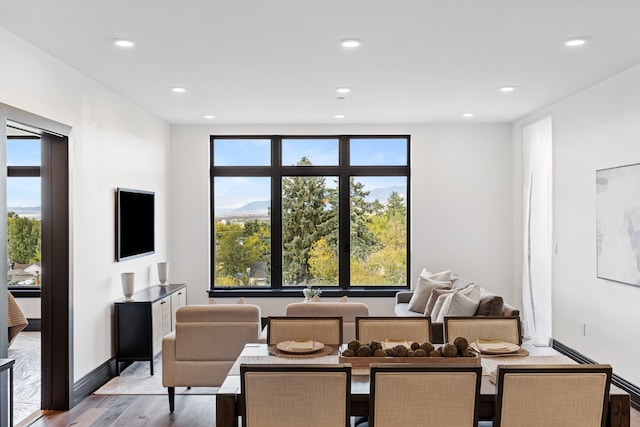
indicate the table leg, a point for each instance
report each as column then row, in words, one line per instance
column 226, row 415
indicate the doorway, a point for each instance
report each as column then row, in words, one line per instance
column 56, row 292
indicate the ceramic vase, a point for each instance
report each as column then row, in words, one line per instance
column 128, row 284
column 163, row 272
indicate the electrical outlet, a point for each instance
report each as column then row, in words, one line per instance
column 583, row 329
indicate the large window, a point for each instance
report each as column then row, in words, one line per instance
column 330, row 212
column 23, row 212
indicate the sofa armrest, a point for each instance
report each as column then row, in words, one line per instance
column 168, row 359
column 403, row 297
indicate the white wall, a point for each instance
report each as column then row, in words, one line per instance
column 113, row 143
column 461, row 210
column 594, row 129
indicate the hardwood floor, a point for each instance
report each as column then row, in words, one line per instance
column 132, row 411
column 147, row 410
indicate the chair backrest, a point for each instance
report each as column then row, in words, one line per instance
column 215, row 332
column 424, row 394
column 295, row 395
column 327, row 330
column 552, row 395
column 413, row 329
column 502, row 328
column 347, row 310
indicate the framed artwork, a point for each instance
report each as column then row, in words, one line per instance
column 618, row 224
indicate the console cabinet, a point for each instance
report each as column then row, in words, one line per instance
column 141, row 323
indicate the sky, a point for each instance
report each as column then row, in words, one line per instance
column 23, row 192
column 234, row 192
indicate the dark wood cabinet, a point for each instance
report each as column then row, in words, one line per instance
column 141, row 323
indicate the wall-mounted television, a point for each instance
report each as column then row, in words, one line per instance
column 135, row 223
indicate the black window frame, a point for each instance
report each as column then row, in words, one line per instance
column 276, row 171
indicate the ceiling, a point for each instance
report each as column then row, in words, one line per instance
column 280, row 61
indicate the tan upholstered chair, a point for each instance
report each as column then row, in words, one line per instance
column 295, row 395
column 552, row 395
column 413, row 329
column 327, row 330
column 424, row 394
column 502, row 328
column 347, row 310
column 205, row 343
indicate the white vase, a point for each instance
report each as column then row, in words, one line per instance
column 128, row 284
column 163, row 272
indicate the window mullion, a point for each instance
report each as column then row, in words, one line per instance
column 276, row 213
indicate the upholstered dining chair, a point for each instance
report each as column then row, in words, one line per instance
column 327, row 330
column 285, row 395
column 552, row 395
column 504, row 328
column 435, row 394
column 412, row 329
column 347, row 310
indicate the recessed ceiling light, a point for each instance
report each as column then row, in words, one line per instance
column 178, row 90
column 575, row 42
column 507, row 88
column 343, row 90
column 467, row 115
column 350, row 43
column 209, row 116
column 338, row 116
column 124, row 43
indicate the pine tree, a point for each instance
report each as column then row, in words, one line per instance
column 306, row 215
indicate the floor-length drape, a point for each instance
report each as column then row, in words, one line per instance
column 537, row 231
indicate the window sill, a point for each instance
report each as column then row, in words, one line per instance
column 297, row 293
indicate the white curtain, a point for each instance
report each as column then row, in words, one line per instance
column 537, row 229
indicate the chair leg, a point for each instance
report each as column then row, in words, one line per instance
column 172, row 398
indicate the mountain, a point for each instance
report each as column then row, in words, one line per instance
column 261, row 205
column 27, row 212
column 382, row 194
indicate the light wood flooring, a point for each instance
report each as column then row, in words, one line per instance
column 147, row 410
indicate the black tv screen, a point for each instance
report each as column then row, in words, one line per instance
column 135, row 225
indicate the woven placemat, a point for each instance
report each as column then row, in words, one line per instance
column 521, row 352
column 324, row 351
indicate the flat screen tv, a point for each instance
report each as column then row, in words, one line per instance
column 135, row 223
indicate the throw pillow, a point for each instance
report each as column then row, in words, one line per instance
column 437, row 307
column 421, row 293
column 442, row 276
column 460, row 303
column 490, row 305
column 433, row 299
column 461, row 283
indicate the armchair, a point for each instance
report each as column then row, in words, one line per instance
column 205, row 343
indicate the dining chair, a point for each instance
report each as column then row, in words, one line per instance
column 327, row 330
column 504, row 328
column 412, row 329
column 297, row 395
column 434, row 394
column 552, row 395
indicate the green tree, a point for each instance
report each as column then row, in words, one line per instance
column 24, row 239
column 306, row 217
column 363, row 241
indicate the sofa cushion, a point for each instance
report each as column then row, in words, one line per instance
column 461, row 283
column 422, row 292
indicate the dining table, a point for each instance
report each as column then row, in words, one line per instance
column 229, row 399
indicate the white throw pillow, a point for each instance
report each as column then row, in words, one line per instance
column 437, row 308
column 462, row 302
column 421, row 293
column 442, row 276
